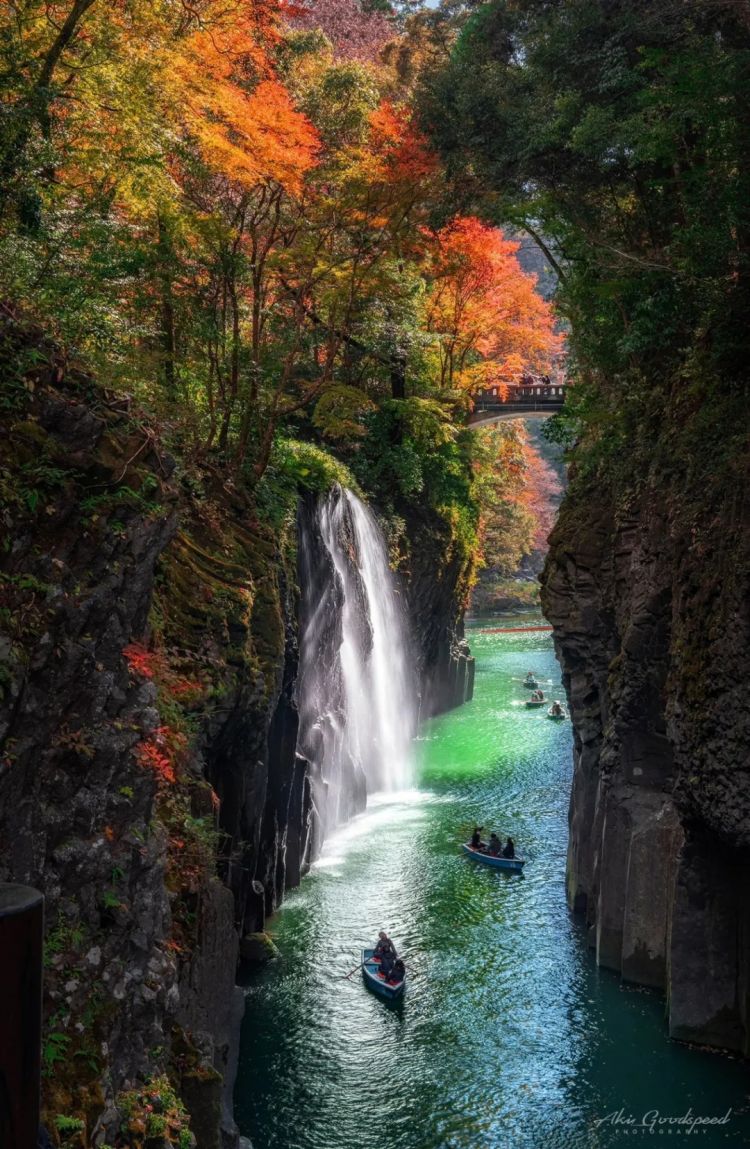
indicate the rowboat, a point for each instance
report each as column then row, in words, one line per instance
column 532, row 703
column 375, row 980
column 530, row 683
column 511, row 865
column 556, row 717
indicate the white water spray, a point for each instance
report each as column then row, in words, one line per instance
column 358, row 706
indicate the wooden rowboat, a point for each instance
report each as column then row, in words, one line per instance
column 511, row 865
column 375, row 980
column 531, row 683
column 556, row 717
column 532, row 703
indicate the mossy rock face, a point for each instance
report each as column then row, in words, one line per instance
column 201, row 1091
column 258, row 949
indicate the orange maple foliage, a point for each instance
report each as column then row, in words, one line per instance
column 242, row 117
column 484, row 307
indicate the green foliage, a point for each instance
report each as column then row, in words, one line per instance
column 413, row 447
column 67, row 1125
column 54, row 1050
column 339, row 413
column 63, row 938
column 620, row 133
column 341, row 101
column 157, row 1109
column 295, row 465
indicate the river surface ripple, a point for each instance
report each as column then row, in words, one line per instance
column 509, row 1036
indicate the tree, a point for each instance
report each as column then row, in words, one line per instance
column 355, row 34
column 618, row 132
column 490, row 322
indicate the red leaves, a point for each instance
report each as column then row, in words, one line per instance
column 402, row 151
column 355, row 35
column 153, row 664
column 140, row 660
column 162, row 752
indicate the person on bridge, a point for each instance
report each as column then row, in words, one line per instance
column 509, row 850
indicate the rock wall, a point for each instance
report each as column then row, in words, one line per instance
column 648, row 589
column 147, row 725
column 148, row 728
column 436, row 588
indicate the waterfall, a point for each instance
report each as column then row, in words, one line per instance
column 357, row 700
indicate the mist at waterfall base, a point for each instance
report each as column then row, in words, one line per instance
column 357, row 700
column 509, row 1036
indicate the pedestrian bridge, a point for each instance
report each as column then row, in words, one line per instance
column 485, row 413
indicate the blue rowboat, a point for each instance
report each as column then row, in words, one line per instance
column 511, row 865
column 375, row 980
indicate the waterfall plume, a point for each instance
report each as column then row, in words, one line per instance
column 357, row 700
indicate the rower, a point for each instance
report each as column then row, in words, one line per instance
column 387, row 963
column 556, row 708
column 495, row 845
column 509, row 850
column 476, row 837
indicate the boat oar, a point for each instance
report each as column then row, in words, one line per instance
column 351, row 971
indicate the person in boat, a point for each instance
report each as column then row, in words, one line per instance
column 556, row 709
column 537, row 696
column 495, row 845
column 385, row 947
column 398, row 973
column 531, row 677
column 476, row 837
column 387, row 963
column 509, row 850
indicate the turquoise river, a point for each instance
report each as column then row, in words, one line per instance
column 509, row 1037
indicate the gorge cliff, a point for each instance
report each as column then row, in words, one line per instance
column 647, row 586
column 151, row 782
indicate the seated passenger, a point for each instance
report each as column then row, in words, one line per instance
column 476, row 837
column 385, row 946
column 509, row 850
column 398, row 973
column 556, row 708
column 495, row 845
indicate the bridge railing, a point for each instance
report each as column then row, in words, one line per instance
column 513, row 407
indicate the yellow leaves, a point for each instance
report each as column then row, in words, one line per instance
column 257, row 137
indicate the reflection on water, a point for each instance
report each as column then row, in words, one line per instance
column 509, row 1037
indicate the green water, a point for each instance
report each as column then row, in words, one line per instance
column 509, row 1037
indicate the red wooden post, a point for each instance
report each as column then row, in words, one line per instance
column 21, row 937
